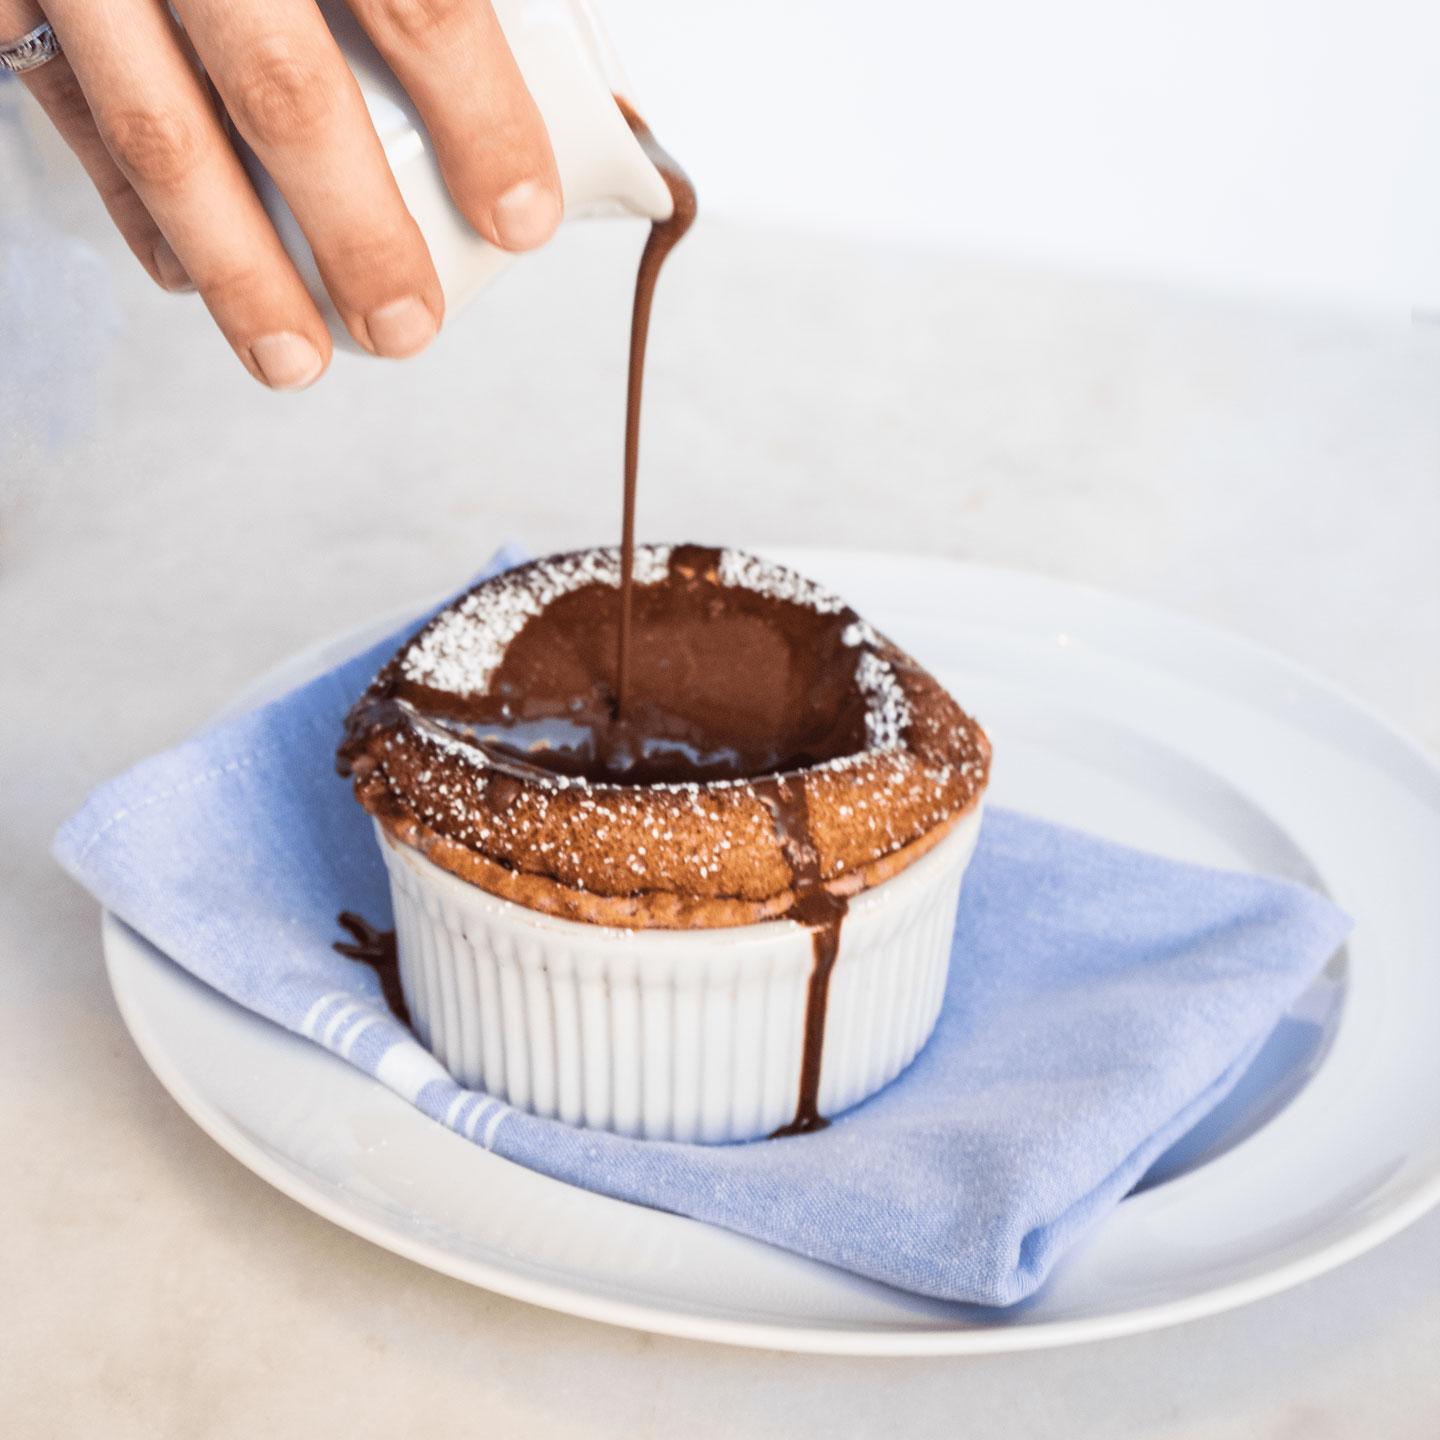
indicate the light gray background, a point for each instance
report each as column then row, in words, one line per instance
column 1269, row 468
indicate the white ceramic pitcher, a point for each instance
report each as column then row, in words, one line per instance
column 574, row 75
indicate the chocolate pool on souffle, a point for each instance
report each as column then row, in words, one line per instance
column 721, row 912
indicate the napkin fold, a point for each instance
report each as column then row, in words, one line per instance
column 1100, row 1002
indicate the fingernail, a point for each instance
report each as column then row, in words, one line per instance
column 286, row 361
column 526, row 215
column 173, row 275
column 400, row 328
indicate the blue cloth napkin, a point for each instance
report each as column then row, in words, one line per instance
column 1100, row 1002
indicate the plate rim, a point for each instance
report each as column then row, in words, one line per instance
column 124, row 950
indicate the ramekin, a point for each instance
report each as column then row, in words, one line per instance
column 671, row 1034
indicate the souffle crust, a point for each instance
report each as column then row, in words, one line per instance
column 772, row 737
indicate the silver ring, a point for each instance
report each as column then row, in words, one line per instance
column 30, row 50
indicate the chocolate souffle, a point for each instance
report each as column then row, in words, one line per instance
column 773, row 749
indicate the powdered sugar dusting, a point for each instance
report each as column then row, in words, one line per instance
column 765, row 577
column 462, row 650
column 888, row 712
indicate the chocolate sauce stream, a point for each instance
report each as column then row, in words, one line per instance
column 822, row 914
column 375, row 948
column 664, row 235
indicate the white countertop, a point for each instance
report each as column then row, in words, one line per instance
column 1272, row 470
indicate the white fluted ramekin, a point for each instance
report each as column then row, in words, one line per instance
column 671, row 1034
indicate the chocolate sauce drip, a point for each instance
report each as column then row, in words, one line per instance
column 822, row 914
column 664, row 235
column 375, row 948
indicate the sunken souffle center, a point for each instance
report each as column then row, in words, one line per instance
column 726, row 684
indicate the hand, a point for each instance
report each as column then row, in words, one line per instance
column 130, row 97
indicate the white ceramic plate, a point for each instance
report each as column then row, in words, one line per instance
column 1106, row 714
